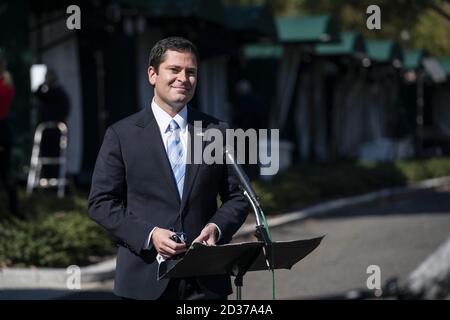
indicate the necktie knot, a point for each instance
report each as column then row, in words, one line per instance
column 173, row 125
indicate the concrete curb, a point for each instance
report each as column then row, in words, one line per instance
column 13, row 278
column 55, row 278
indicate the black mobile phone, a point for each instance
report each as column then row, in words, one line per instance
column 176, row 238
column 179, row 237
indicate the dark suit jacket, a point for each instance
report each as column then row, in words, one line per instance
column 133, row 190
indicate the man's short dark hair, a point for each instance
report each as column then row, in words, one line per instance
column 172, row 43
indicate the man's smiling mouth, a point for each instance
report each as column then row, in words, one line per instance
column 181, row 88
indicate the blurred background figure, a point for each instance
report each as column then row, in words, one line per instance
column 52, row 105
column 6, row 97
column 53, row 101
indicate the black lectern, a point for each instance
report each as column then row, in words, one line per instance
column 236, row 259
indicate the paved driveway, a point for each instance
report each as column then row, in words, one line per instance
column 395, row 235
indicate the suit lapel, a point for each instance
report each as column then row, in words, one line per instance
column 153, row 140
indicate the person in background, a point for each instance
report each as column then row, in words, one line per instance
column 52, row 105
column 53, row 101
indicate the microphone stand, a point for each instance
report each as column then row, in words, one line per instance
column 262, row 232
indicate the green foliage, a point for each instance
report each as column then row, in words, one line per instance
column 415, row 171
column 45, row 201
column 432, row 33
column 55, row 233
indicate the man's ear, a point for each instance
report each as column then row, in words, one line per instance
column 152, row 74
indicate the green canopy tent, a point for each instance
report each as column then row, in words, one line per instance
column 445, row 63
column 299, row 80
column 385, row 52
column 350, row 43
column 343, row 69
column 412, row 59
column 263, row 51
column 307, row 29
column 297, row 36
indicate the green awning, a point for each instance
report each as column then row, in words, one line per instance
column 412, row 59
column 384, row 51
column 445, row 63
column 306, row 29
column 263, row 51
column 251, row 19
column 351, row 43
column 207, row 10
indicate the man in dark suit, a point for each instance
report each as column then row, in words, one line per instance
column 144, row 189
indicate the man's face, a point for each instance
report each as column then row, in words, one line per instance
column 176, row 79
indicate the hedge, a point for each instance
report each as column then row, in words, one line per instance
column 55, row 233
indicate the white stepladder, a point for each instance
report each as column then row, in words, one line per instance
column 34, row 174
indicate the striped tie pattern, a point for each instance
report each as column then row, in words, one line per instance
column 176, row 155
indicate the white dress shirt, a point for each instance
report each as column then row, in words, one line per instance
column 163, row 119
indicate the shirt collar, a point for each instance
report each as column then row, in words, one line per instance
column 163, row 118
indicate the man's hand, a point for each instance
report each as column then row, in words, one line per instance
column 164, row 245
column 208, row 235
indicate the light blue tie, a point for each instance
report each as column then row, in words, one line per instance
column 176, row 155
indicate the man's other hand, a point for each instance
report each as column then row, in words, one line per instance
column 164, row 245
column 208, row 235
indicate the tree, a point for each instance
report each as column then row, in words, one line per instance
column 413, row 23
